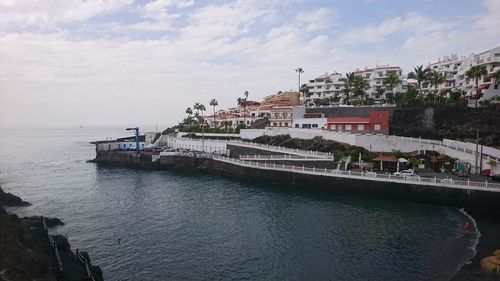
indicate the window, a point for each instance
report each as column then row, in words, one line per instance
column 286, row 124
column 334, row 127
column 315, row 125
column 377, row 127
column 348, row 127
column 361, row 127
column 275, row 124
column 296, row 125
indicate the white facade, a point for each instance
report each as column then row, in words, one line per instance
column 491, row 60
column 326, row 86
column 331, row 86
column 448, row 66
column 376, row 78
column 309, row 123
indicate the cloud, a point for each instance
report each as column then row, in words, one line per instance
column 48, row 13
column 411, row 23
column 164, row 55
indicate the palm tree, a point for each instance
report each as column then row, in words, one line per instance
column 348, row 85
column 420, row 74
column 436, row 78
column 196, row 107
column 189, row 112
column 214, row 103
column 360, row 85
column 392, row 80
column 475, row 73
column 243, row 102
column 304, row 89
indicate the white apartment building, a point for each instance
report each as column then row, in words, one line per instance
column 326, row 86
column 448, row 66
column 491, row 60
column 376, row 78
column 331, row 86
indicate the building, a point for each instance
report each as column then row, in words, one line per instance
column 281, row 116
column 448, row 66
column 487, row 86
column 127, row 143
column 326, row 88
column 376, row 79
column 376, row 123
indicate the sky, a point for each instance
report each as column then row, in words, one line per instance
column 66, row 63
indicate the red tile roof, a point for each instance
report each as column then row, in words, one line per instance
column 386, row 158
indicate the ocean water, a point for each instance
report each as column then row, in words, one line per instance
column 186, row 226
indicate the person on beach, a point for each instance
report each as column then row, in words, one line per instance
column 466, row 227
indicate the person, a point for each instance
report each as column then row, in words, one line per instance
column 119, row 240
column 466, row 227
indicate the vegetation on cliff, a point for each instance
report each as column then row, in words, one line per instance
column 450, row 121
column 318, row 144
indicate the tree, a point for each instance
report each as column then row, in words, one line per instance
column 360, row 85
column 304, row 90
column 436, row 78
column 348, row 85
column 243, row 102
column 189, row 112
column 392, row 80
column 214, row 103
column 420, row 74
column 476, row 72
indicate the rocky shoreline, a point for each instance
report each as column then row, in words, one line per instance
column 25, row 253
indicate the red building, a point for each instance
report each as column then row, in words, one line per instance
column 376, row 123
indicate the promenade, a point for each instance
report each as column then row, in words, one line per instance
column 369, row 176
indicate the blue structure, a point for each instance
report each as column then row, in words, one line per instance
column 136, row 129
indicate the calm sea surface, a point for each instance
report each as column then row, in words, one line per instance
column 176, row 226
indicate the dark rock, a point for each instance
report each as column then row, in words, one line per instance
column 51, row 222
column 9, row 199
column 62, row 243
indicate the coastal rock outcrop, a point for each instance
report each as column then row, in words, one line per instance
column 9, row 199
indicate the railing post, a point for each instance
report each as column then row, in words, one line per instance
column 468, row 182
column 486, row 184
column 349, row 172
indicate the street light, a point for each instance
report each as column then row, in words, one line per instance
column 299, row 70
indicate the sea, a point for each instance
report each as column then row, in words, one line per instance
column 139, row 224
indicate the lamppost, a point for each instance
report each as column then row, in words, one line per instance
column 299, row 70
column 136, row 129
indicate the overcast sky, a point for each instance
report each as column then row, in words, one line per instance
column 125, row 62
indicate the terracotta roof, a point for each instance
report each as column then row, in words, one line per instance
column 386, row 158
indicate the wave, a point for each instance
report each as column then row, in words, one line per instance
column 475, row 235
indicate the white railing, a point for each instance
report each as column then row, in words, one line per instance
column 467, row 185
column 52, row 243
column 281, row 149
column 281, row 157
